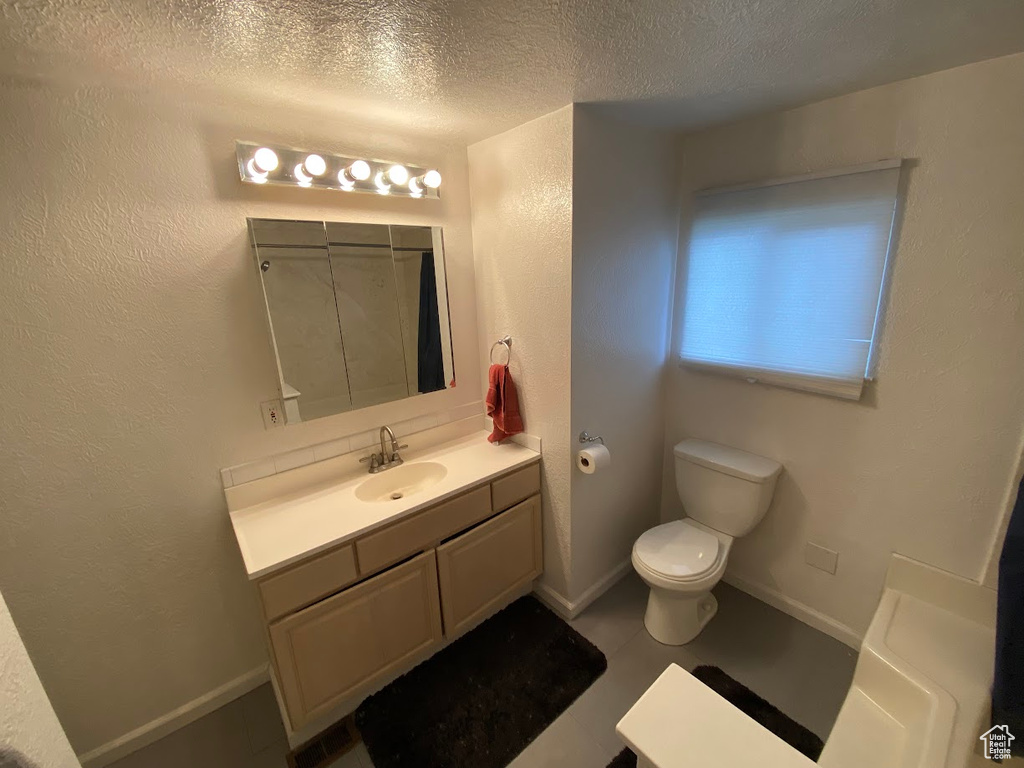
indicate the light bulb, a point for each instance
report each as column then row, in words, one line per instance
column 315, row 165
column 432, row 179
column 360, row 170
column 382, row 186
column 415, row 187
column 346, row 180
column 254, row 174
column 265, row 159
column 398, row 174
column 304, row 179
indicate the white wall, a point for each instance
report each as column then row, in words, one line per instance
column 922, row 464
column 624, row 232
column 134, row 358
column 574, row 233
column 28, row 723
column 521, row 191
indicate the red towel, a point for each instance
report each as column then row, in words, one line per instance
column 503, row 404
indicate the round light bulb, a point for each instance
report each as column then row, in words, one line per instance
column 314, row 165
column 254, row 173
column 415, row 187
column 432, row 179
column 382, row 186
column 265, row 159
column 304, row 179
column 360, row 170
column 346, row 180
column 398, row 174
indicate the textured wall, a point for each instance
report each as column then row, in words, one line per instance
column 521, row 193
column 134, row 356
column 27, row 721
column 921, row 466
column 624, row 232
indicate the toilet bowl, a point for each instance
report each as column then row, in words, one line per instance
column 725, row 494
column 681, row 562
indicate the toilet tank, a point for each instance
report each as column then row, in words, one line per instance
column 724, row 488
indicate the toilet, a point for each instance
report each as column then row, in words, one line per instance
column 725, row 493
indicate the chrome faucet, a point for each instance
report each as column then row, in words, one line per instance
column 388, row 457
column 386, row 432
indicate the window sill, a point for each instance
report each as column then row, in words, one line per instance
column 821, row 385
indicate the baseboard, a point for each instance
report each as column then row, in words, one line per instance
column 797, row 610
column 570, row 609
column 553, row 600
column 175, row 719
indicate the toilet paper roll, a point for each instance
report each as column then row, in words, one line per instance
column 593, row 458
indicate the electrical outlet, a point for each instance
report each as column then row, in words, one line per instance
column 819, row 557
column 273, row 414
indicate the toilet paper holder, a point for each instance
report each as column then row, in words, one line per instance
column 585, row 438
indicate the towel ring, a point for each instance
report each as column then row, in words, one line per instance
column 505, row 342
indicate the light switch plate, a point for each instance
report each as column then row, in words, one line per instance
column 820, row 557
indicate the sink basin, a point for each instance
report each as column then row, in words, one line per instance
column 397, row 483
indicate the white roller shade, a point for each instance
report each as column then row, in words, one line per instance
column 784, row 281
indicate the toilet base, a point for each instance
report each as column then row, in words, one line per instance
column 676, row 619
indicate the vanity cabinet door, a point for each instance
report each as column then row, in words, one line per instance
column 336, row 647
column 483, row 568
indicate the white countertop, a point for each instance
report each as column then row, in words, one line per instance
column 284, row 530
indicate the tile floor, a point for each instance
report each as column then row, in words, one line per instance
column 800, row 670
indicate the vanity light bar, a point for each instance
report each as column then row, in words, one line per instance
column 272, row 164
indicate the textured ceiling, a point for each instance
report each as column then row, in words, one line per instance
column 471, row 69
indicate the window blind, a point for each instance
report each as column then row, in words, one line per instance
column 784, row 282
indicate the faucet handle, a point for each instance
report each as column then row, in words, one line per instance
column 374, row 460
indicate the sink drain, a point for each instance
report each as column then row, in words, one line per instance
column 396, row 495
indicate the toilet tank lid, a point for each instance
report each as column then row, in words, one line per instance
column 730, row 461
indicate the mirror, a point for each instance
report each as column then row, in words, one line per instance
column 358, row 313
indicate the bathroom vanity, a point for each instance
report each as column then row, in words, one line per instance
column 356, row 586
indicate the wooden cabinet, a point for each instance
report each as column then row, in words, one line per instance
column 456, row 559
column 423, row 530
column 308, row 582
column 484, row 567
column 328, row 651
column 515, row 487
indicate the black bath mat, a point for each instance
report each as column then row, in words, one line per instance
column 483, row 699
column 748, row 702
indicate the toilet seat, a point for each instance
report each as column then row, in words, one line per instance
column 678, row 551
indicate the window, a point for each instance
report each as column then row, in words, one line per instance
column 784, row 281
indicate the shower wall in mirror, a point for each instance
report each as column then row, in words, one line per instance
column 358, row 313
